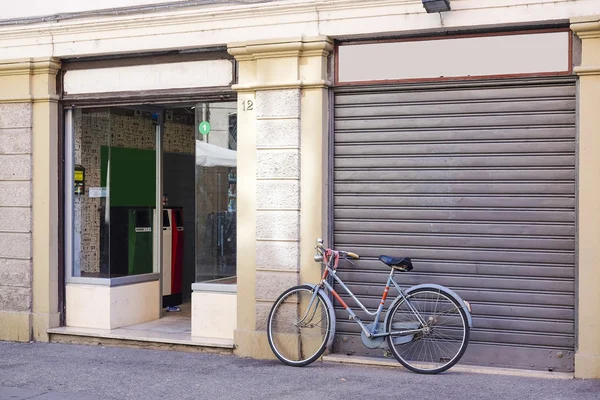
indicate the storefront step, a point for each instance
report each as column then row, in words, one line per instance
column 123, row 337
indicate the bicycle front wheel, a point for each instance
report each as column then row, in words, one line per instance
column 299, row 326
column 437, row 340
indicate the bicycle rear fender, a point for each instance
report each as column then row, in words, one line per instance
column 329, row 305
column 445, row 289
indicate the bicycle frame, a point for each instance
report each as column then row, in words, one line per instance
column 372, row 332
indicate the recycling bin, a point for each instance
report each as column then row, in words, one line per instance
column 140, row 249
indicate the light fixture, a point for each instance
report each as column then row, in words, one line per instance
column 434, row 6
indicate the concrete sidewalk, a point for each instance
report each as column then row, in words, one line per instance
column 9, row 393
column 57, row 371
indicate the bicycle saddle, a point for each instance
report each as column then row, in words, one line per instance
column 401, row 264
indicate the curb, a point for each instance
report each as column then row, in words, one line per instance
column 392, row 363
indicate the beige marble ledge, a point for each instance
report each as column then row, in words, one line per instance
column 182, row 338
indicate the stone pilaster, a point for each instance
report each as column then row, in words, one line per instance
column 28, row 187
column 587, row 356
column 280, row 172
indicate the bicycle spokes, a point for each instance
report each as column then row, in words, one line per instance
column 299, row 326
column 438, row 341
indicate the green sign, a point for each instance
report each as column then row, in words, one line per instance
column 204, row 128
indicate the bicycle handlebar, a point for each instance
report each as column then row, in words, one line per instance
column 343, row 254
column 349, row 254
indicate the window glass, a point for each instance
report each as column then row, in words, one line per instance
column 115, row 192
column 216, row 190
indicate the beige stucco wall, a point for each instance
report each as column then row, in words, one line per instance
column 587, row 356
column 29, row 161
column 281, row 181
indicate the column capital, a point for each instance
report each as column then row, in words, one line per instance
column 29, row 80
column 275, row 64
column 290, row 47
column 586, row 27
column 30, row 66
column 588, row 30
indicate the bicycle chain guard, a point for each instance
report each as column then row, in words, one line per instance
column 376, row 342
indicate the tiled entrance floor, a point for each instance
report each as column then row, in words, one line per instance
column 174, row 327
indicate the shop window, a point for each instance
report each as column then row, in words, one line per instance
column 114, row 220
column 115, row 192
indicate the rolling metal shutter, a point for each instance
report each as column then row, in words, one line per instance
column 476, row 182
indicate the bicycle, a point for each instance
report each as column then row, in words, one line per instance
column 411, row 323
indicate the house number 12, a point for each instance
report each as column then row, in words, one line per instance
column 248, row 105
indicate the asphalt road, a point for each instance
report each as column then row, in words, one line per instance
column 59, row 371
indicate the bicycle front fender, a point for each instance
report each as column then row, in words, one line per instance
column 445, row 289
column 329, row 305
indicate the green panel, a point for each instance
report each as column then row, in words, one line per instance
column 140, row 245
column 132, row 176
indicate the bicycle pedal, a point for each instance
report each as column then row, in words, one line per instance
column 387, row 353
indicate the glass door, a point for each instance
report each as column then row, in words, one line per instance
column 216, row 191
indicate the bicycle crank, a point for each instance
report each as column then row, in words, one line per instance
column 374, row 342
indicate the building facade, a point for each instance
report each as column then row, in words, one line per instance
column 463, row 139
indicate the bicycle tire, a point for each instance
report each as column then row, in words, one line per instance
column 410, row 364
column 278, row 348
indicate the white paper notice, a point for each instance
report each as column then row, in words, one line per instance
column 98, row 192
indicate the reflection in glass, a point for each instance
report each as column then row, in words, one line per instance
column 216, row 190
column 115, row 199
column 115, row 150
column 179, row 201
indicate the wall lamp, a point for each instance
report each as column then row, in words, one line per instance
column 434, row 6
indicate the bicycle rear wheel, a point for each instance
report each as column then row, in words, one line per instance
column 440, row 342
column 299, row 326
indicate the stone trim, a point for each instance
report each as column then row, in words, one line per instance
column 214, row 287
column 318, row 84
column 30, row 99
column 276, row 48
column 586, row 28
column 32, row 66
column 588, row 69
column 197, row 16
column 292, row 48
column 16, row 326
